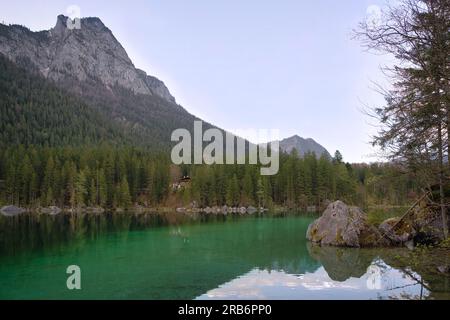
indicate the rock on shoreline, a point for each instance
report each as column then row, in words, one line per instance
column 224, row 210
column 403, row 233
column 12, row 210
column 52, row 210
column 344, row 226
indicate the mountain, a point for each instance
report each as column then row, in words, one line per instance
column 91, row 52
column 302, row 146
column 36, row 112
column 69, row 86
column 89, row 66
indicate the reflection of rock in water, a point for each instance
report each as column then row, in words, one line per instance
column 424, row 263
column 342, row 263
column 420, row 266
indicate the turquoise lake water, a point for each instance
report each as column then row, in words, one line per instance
column 132, row 256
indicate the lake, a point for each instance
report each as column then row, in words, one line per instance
column 171, row 256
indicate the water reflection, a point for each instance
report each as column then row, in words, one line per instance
column 379, row 282
column 344, row 274
column 34, row 232
column 171, row 256
column 342, row 263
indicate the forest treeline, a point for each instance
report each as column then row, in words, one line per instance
column 113, row 177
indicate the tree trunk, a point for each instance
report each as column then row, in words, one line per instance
column 441, row 185
column 448, row 137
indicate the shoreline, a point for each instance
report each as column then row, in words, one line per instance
column 11, row 210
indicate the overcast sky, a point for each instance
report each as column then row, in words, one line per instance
column 288, row 64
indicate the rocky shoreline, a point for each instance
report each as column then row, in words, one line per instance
column 12, row 210
column 345, row 226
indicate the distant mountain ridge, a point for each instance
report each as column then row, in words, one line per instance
column 303, row 146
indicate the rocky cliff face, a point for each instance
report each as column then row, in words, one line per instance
column 88, row 53
column 302, row 146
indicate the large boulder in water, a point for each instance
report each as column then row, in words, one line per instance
column 343, row 226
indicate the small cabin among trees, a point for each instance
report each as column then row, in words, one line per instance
column 183, row 182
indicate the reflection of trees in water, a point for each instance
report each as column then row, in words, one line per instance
column 275, row 246
column 343, row 263
column 422, row 266
column 271, row 245
column 214, row 254
column 407, row 273
column 30, row 232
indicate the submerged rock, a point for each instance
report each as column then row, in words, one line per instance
column 224, row 210
column 97, row 210
column 207, row 210
column 52, row 210
column 344, row 226
column 251, row 210
column 11, row 210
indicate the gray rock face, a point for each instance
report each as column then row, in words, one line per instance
column 157, row 86
column 91, row 52
column 341, row 225
column 303, row 146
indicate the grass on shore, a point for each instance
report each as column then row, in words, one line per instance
column 376, row 215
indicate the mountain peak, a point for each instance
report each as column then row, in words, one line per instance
column 303, row 146
column 87, row 51
column 90, row 21
column 61, row 19
column 61, row 24
column 64, row 25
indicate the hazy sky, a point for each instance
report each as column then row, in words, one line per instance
column 288, row 64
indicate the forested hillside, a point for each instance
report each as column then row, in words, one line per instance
column 33, row 111
column 38, row 111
